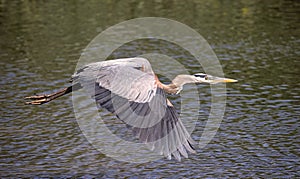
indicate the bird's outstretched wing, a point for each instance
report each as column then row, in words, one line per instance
column 131, row 78
column 134, row 97
column 153, row 122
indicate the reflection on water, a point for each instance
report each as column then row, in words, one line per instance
column 256, row 42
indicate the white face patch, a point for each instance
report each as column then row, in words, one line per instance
column 201, row 78
column 200, row 75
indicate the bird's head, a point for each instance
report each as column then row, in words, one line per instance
column 204, row 78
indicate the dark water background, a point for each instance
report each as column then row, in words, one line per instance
column 257, row 42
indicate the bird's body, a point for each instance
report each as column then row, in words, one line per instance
column 129, row 88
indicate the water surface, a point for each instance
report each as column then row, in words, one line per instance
column 256, row 43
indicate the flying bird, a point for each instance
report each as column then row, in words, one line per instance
column 130, row 89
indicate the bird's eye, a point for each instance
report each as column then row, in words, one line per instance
column 201, row 75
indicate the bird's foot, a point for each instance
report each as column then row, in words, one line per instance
column 38, row 99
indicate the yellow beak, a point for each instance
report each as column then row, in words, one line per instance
column 223, row 80
column 228, row 80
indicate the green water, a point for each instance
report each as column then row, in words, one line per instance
column 257, row 42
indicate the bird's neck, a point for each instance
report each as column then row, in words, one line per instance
column 177, row 83
column 171, row 88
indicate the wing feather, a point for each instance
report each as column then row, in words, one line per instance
column 133, row 96
column 168, row 136
column 131, row 78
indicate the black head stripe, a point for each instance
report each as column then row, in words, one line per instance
column 200, row 75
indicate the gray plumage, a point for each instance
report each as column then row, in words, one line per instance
column 127, row 88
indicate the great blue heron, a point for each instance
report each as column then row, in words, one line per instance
column 129, row 88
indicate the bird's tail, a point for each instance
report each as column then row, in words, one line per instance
column 41, row 99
